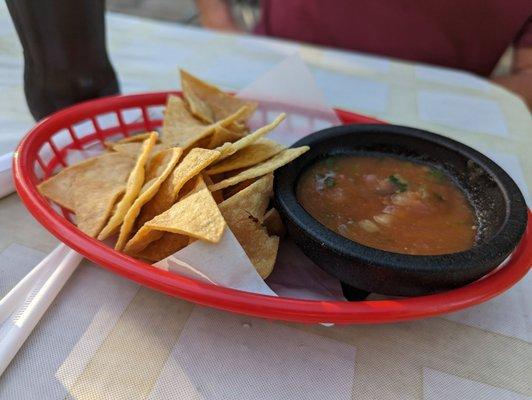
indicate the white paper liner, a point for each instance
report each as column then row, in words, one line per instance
column 224, row 263
column 289, row 87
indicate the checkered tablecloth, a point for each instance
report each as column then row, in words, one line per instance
column 108, row 338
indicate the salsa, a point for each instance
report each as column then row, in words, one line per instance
column 389, row 203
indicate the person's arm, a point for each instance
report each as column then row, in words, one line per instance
column 216, row 14
column 520, row 80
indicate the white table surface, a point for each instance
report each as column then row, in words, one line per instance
column 106, row 337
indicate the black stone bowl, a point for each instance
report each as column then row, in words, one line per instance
column 499, row 206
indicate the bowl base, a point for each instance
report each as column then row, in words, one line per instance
column 351, row 293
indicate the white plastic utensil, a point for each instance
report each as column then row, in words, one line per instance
column 22, row 308
column 6, row 180
column 14, row 298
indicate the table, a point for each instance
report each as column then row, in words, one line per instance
column 106, row 337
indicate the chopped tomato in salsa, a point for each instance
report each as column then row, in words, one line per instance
column 389, row 203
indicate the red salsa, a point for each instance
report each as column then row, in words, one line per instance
column 389, row 204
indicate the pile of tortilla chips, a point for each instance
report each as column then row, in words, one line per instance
column 205, row 172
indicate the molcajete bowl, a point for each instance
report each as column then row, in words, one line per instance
column 498, row 204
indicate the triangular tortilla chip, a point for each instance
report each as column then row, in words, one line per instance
column 191, row 165
column 181, row 129
column 243, row 213
column 59, row 188
column 93, row 211
column 239, row 128
column 132, row 149
column 202, row 143
column 282, row 158
column 140, row 137
column 90, row 189
column 145, row 236
column 229, row 149
column 209, row 103
column 158, row 171
column 232, row 190
column 142, row 238
column 218, row 198
column 196, row 215
column 133, row 187
column 254, row 199
column 222, row 135
column 248, row 156
column 164, row 247
column 109, row 167
column 159, row 161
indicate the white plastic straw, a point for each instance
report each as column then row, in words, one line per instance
column 33, row 302
column 19, row 293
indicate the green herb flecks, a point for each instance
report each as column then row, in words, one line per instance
column 399, row 183
column 330, row 163
column 437, row 175
column 329, row 182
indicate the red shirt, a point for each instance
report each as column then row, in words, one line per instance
column 466, row 34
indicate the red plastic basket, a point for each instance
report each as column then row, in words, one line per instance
column 43, row 151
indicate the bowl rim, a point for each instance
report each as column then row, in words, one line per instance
column 504, row 240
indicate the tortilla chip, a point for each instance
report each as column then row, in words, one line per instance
column 158, row 162
column 197, row 107
column 181, row 129
column 222, row 135
column 209, row 103
column 140, row 137
column 274, row 223
column 218, row 197
column 231, row 148
column 191, row 165
column 93, row 211
column 110, row 167
column 282, row 158
column 254, row 199
column 202, row 143
column 161, row 167
column 59, row 188
column 243, row 213
column 239, row 128
column 142, row 238
column 232, row 190
column 248, row 156
column 133, row 149
column 133, row 187
column 164, row 247
column 196, row 215
column 179, row 124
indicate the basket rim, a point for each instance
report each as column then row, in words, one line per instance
column 253, row 304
